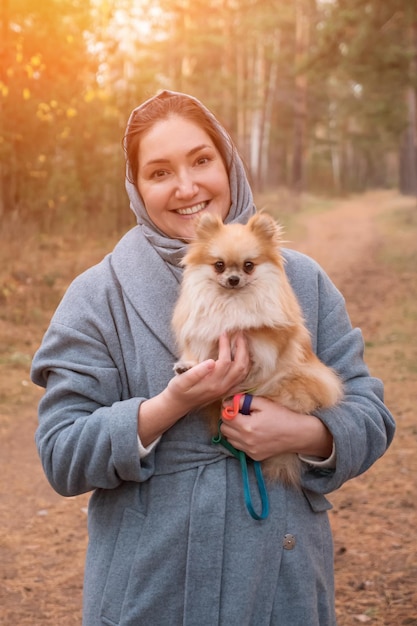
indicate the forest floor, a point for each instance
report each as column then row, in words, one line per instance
column 368, row 245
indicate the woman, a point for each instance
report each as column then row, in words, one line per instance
column 170, row 539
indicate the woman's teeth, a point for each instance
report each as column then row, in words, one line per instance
column 193, row 209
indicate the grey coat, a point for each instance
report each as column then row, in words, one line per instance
column 170, row 540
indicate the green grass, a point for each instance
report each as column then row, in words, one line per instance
column 397, row 340
column 289, row 208
column 399, row 239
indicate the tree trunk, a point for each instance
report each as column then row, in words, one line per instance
column 257, row 113
column 300, row 97
column 270, row 94
column 408, row 148
column 241, row 80
column 3, row 80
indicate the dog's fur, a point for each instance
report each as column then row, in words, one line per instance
column 234, row 280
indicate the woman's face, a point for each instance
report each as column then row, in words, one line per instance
column 180, row 175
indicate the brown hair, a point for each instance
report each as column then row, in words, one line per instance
column 162, row 107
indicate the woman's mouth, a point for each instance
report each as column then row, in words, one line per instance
column 191, row 210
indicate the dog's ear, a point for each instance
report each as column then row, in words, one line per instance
column 207, row 225
column 264, row 226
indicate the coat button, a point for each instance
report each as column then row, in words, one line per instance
column 289, row 542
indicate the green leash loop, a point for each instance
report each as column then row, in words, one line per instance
column 241, row 456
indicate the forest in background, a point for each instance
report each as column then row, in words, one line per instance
column 319, row 95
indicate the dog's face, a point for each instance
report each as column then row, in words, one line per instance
column 234, row 273
column 235, row 255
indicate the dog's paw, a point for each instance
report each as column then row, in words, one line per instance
column 182, row 366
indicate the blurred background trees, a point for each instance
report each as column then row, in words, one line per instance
column 320, row 95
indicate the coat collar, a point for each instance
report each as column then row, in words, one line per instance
column 148, row 283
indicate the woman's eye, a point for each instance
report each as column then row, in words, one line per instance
column 159, row 173
column 202, row 160
column 219, row 266
column 248, row 267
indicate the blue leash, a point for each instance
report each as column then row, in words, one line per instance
column 241, row 456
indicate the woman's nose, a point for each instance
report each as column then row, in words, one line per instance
column 186, row 187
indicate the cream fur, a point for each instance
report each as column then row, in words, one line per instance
column 234, row 279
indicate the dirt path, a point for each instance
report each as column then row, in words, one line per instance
column 44, row 536
column 374, row 516
column 345, row 242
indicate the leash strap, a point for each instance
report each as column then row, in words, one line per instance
column 247, row 401
column 241, row 456
column 230, row 412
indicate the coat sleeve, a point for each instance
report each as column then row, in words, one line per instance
column 361, row 425
column 87, row 432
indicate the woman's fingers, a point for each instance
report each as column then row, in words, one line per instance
column 194, row 376
column 214, row 379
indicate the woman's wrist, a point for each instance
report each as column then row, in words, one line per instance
column 157, row 415
column 313, row 437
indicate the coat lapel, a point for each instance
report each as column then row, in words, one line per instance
column 147, row 282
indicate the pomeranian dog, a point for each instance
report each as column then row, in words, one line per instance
column 234, row 280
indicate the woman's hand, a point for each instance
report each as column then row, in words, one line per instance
column 204, row 383
column 272, row 429
column 213, row 380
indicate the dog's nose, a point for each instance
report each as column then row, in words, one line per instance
column 233, row 281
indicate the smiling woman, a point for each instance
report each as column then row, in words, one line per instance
column 210, row 140
column 170, row 539
column 164, row 106
column 180, row 174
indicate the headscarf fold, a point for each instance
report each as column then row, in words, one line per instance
column 242, row 205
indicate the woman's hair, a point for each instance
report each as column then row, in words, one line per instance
column 162, row 107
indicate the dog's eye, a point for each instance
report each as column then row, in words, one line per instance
column 248, row 267
column 219, row 266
